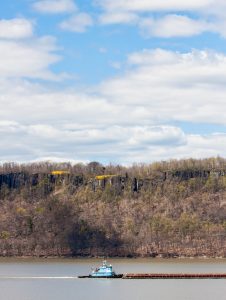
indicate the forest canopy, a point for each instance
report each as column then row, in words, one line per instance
column 169, row 208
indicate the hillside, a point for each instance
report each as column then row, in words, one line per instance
column 169, row 209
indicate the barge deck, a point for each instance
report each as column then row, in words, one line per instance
column 174, row 276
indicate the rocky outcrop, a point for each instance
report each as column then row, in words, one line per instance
column 118, row 183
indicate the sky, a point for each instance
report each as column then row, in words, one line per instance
column 121, row 82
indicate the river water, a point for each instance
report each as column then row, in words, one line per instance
column 53, row 279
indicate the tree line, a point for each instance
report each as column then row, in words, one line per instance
column 182, row 213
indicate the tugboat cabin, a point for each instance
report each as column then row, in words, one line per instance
column 103, row 271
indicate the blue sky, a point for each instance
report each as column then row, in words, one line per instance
column 118, row 81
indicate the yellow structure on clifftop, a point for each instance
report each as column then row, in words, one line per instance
column 57, row 172
column 102, row 177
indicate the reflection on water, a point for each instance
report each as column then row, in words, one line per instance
column 57, row 279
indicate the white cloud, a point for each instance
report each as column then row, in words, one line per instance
column 77, row 23
column 129, row 117
column 174, row 26
column 167, row 18
column 30, row 58
column 173, row 86
column 113, row 144
column 15, row 29
column 127, row 120
column 197, row 146
column 153, row 57
column 118, row 18
column 54, row 6
column 10, row 127
column 154, row 5
column 43, row 140
column 129, row 137
column 155, row 136
column 200, row 146
column 115, row 64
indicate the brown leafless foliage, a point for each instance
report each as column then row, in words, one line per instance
column 171, row 208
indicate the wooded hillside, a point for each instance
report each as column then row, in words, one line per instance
column 173, row 208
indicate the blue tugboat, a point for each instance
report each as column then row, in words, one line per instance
column 104, row 271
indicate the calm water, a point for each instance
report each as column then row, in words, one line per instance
column 33, row 280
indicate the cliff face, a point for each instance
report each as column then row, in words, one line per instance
column 19, row 180
column 168, row 209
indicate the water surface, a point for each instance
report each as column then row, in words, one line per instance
column 53, row 279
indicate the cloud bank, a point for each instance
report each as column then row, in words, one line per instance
column 127, row 118
column 168, row 18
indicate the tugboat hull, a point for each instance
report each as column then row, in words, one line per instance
column 96, row 277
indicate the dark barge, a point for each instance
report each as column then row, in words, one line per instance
column 174, row 276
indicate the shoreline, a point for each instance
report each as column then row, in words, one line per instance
column 201, row 258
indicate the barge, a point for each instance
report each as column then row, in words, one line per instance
column 174, row 276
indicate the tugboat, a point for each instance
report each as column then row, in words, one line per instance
column 104, row 271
